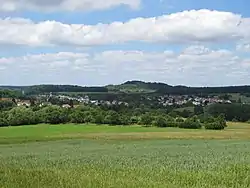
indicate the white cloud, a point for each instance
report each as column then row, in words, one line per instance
column 211, row 67
column 63, row 5
column 196, row 27
column 243, row 47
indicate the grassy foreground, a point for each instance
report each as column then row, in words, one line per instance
column 101, row 156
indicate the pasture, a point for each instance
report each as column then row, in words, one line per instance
column 131, row 156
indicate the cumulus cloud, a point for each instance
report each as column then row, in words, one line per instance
column 196, row 65
column 195, row 26
column 63, row 5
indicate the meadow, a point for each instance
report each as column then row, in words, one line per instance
column 124, row 156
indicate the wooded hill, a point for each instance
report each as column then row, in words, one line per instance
column 129, row 87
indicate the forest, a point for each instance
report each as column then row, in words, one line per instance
column 128, row 87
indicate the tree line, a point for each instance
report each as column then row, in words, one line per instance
column 96, row 115
column 160, row 88
column 232, row 112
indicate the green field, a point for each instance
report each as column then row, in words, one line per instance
column 112, row 156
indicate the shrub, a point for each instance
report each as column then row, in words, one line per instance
column 222, row 120
column 214, row 126
column 190, row 123
column 172, row 124
column 218, row 124
column 209, row 119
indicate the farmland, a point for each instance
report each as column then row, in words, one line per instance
column 124, row 156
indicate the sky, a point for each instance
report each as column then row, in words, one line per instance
column 101, row 42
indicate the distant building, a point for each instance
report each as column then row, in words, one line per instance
column 66, row 106
column 25, row 103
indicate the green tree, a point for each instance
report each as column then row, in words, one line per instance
column 134, row 120
column 146, row 119
column 191, row 123
column 55, row 115
column 98, row 118
column 198, row 110
column 6, row 105
column 22, row 116
column 89, row 119
column 125, row 120
column 160, row 121
column 77, row 116
column 112, row 118
column 3, row 119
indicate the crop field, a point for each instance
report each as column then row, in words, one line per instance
column 111, row 156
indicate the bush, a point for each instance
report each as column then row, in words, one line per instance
column 214, row 126
column 222, row 120
column 218, row 124
column 209, row 119
column 190, row 123
column 172, row 124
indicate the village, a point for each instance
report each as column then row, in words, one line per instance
column 65, row 100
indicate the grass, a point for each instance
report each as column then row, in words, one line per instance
column 151, row 163
column 22, row 134
column 92, row 156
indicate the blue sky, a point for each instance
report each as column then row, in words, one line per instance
column 92, row 42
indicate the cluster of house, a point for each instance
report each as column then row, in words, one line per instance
column 167, row 100
column 170, row 100
column 18, row 102
column 80, row 100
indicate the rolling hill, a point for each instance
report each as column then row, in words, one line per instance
column 130, row 87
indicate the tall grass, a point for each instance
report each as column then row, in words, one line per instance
column 122, row 164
